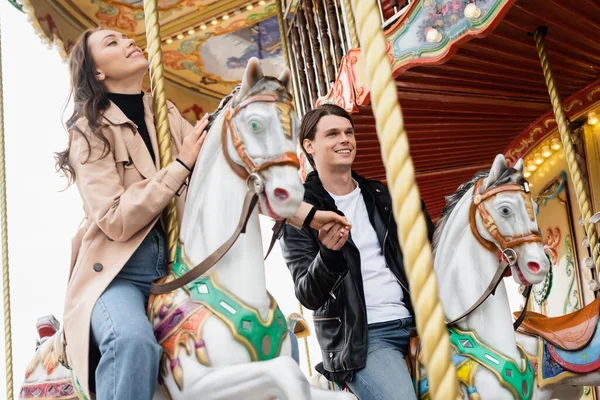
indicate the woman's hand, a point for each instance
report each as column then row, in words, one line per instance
column 193, row 143
column 322, row 218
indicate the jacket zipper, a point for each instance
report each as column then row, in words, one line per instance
column 335, row 286
column 386, row 264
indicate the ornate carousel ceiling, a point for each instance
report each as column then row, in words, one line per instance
column 461, row 113
column 206, row 43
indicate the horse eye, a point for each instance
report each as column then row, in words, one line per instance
column 505, row 211
column 255, row 125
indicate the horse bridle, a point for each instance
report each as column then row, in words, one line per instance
column 251, row 173
column 504, row 244
column 289, row 158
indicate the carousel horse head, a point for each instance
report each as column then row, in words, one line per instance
column 259, row 137
column 503, row 218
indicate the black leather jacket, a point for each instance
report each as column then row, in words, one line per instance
column 330, row 282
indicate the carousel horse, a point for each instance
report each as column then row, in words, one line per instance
column 223, row 335
column 490, row 215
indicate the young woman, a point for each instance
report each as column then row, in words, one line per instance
column 120, row 248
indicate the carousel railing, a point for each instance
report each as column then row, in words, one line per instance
column 319, row 33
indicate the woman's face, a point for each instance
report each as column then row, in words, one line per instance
column 116, row 58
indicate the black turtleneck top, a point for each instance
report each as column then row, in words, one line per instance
column 132, row 106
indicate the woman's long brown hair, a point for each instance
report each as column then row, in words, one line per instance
column 89, row 101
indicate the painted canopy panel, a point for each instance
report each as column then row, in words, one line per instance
column 206, row 43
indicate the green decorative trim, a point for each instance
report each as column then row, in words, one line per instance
column 16, row 5
column 263, row 339
column 519, row 380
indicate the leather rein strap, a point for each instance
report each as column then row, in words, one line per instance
column 249, row 203
column 505, row 245
column 250, row 173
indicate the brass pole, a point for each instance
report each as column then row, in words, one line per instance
column 565, row 136
column 412, row 230
column 5, row 267
column 160, row 112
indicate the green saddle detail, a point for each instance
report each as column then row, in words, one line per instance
column 519, row 380
column 263, row 339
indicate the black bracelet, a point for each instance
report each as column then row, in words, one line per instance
column 182, row 163
column 309, row 217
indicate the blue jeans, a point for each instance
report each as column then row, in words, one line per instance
column 120, row 331
column 386, row 376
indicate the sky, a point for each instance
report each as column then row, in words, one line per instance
column 42, row 215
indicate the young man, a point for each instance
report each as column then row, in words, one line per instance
column 354, row 281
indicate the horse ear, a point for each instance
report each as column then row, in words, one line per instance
column 520, row 166
column 498, row 168
column 285, row 78
column 252, row 74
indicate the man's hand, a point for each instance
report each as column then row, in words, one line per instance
column 334, row 235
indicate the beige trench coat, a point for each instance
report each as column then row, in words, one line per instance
column 123, row 196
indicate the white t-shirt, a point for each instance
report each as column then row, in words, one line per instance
column 383, row 294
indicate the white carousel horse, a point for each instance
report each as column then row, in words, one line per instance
column 223, row 335
column 488, row 214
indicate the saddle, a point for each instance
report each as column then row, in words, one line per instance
column 568, row 332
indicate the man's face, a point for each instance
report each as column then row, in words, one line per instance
column 334, row 145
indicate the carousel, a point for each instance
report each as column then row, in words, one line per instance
column 439, row 90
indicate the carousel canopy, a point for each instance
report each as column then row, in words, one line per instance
column 461, row 109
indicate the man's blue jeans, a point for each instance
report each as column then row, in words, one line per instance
column 129, row 353
column 386, row 375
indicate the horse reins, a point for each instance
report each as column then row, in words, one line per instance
column 503, row 244
column 251, row 172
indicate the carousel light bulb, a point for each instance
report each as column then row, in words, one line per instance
column 585, row 242
column 261, row 3
column 527, row 174
column 203, row 27
column 249, row 7
column 531, row 167
column 546, row 152
column 538, row 159
column 225, row 17
column 433, row 36
column 180, row 36
column 214, row 22
column 472, row 11
column 588, row 262
column 593, row 285
column 555, row 144
column 593, row 118
column 191, row 32
column 169, row 41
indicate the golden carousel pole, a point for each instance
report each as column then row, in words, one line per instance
column 160, row 112
column 5, row 269
column 565, row 136
column 284, row 49
column 412, row 230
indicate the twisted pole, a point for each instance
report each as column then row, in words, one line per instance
column 351, row 24
column 159, row 98
column 565, row 137
column 412, row 229
column 5, row 269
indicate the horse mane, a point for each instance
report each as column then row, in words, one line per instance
column 451, row 202
column 213, row 115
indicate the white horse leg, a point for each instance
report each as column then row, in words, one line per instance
column 322, row 394
column 280, row 378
